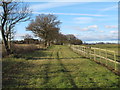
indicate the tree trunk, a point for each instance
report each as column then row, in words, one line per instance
column 45, row 43
column 49, row 43
column 5, row 42
column 10, row 40
column 39, row 44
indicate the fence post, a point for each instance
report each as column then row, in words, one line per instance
column 100, row 56
column 106, row 57
column 87, row 52
column 90, row 53
column 115, row 61
column 79, row 50
column 94, row 55
column 84, row 51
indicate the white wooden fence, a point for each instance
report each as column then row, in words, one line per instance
column 107, row 57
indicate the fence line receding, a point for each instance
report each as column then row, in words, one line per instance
column 103, row 56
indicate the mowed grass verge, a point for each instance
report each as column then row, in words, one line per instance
column 56, row 67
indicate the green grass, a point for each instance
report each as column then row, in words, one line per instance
column 110, row 55
column 56, row 67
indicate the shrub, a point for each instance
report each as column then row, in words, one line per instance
column 20, row 49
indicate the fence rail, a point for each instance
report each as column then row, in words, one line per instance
column 106, row 57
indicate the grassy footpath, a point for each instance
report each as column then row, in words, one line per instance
column 57, row 67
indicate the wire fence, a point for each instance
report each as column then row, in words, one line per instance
column 105, row 57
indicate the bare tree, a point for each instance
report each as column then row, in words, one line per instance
column 61, row 39
column 12, row 13
column 27, row 36
column 73, row 39
column 45, row 27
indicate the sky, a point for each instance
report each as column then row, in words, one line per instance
column 88, row 21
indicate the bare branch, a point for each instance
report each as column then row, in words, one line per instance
column 12, row 13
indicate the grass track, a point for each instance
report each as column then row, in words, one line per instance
column 57, row 67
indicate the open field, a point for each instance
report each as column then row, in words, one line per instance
column 110, row 48
column 113, row 47
column 105, row 57
column 56, row 67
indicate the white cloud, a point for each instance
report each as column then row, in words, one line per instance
column 76, row 14
column 87, row 0
column 84, row 29
column 88, row 28
column 111, row 26
column 70, row 0
column 85, row 35
column 101, row 31
column 98, row 37
column 20, row 34
column 110, row 8
column 93, row 26
column 49, row 5
column 114, row 32
column 83, row 20
column 80, row 29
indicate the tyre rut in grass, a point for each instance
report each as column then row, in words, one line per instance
column 65, row 71
column 47, row 69
column 91, row 80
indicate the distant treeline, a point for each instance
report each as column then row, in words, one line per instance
column 63, row 39
column 99, row 43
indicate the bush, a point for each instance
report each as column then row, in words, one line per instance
column 20, row 49
column 25, row 48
